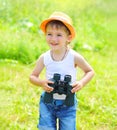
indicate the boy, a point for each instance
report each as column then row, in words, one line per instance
column 62, row 60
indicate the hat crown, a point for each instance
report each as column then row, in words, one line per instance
column 61, row 16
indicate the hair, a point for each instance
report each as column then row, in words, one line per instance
column 58, row 24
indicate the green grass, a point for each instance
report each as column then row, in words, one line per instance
column 19, row 101
column 21, row 42
column 97, row 101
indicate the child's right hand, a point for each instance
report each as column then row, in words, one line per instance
column 45, row 85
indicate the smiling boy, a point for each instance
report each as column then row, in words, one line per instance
column 59, row 32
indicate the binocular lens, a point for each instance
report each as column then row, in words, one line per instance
column 67, row 78
column 56, row 76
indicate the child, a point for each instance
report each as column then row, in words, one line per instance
column 60, row 59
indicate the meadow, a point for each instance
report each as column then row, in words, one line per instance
column 21, row 43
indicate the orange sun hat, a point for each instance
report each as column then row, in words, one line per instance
column 60, row 16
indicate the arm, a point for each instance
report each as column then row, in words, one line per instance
column 35, row 76
column 88, row 72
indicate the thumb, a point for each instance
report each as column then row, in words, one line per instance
column 51, row 82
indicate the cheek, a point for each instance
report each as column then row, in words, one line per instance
column 47, row 39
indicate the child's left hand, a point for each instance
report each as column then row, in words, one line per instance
column 76, row 86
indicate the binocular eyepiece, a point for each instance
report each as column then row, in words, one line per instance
column 67, row 78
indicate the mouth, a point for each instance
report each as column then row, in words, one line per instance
column 54, row 44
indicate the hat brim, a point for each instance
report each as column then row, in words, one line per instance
column 44, row 23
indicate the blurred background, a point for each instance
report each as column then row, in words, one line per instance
column 22, row 42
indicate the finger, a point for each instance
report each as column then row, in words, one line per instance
column 48, row 88
column 51, row 89
column 75, row 89
column 74, row 85
column 48, row 91
column 51, row 82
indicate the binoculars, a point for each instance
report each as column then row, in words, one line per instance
column 60, row 87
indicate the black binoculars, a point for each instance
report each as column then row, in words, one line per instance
column 60, row 87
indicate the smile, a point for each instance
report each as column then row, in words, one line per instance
column 54, row 44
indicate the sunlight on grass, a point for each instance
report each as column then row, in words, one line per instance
column 21, row 43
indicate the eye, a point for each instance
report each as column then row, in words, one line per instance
column 49, row 34
column 59, row 35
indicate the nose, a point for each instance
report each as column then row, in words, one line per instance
column 54, row 38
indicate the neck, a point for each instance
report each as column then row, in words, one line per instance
column 59, row 55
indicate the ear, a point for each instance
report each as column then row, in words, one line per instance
column 69, row 39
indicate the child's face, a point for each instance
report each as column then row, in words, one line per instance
column 57, row 38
